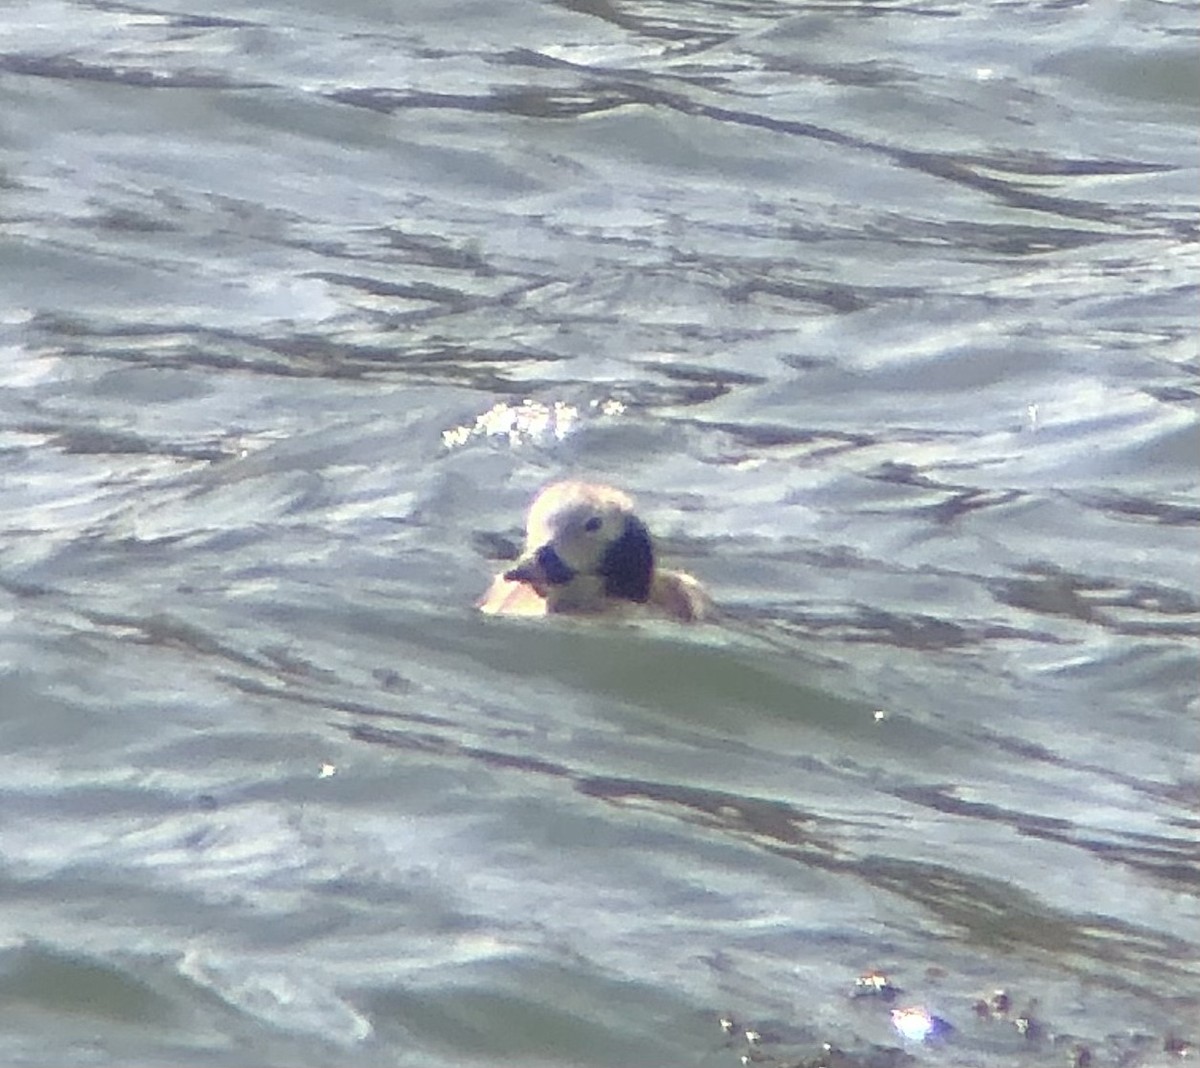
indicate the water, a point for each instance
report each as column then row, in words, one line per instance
column 886, row 314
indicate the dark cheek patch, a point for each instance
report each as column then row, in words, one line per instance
column 628, row 564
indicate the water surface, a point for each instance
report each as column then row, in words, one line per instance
column 886, row 315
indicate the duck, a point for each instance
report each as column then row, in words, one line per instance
column 588, row 553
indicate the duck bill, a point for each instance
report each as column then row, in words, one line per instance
column 541, row 570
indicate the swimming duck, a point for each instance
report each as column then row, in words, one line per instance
column 587, row 552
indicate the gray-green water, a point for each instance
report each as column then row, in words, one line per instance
column 885, row 313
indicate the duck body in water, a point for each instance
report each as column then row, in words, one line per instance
column 587, row 553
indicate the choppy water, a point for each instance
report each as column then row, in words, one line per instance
column 887, row 315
